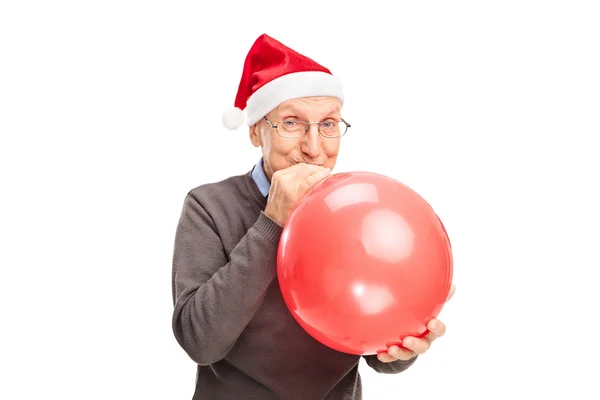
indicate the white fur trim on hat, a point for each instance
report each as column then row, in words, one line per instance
column 291, row 86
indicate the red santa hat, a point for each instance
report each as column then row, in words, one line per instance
column 274, row 73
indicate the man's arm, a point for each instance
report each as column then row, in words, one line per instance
column 215, row 299
column 394, row 367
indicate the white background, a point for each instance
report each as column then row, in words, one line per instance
column 110, row 112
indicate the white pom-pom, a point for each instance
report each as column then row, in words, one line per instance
column 233, row 118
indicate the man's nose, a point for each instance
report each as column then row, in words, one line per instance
column 312, row 141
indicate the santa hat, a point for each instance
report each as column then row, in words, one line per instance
column 274, row 73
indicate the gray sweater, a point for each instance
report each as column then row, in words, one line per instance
column 229, row 315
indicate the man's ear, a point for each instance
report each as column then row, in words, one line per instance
column 255, row 135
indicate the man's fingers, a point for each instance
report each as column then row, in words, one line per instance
column 396, row 353
column 296, row 171
column 436, row 329
column 418, row 346
column 310, row 180
column 304, row 169
column 451, row 293
column 385, row 357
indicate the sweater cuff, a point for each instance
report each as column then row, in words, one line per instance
column 268, row 228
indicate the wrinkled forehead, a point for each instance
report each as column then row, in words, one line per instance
column 313, row 107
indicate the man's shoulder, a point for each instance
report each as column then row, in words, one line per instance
column 221, row 190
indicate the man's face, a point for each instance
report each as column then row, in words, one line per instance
column 280, row 153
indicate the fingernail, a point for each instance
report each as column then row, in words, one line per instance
column 432, row 325
column 407, row 342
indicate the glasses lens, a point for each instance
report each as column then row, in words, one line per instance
column 333, row 128
column 291, row 128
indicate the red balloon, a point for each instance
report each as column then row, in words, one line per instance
column 363, row 262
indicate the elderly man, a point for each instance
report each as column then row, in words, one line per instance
column 229, row 314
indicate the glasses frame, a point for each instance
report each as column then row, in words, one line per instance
column 307, row 127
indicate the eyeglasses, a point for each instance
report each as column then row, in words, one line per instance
column 294, row 129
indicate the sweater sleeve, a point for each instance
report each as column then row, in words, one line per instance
column 394, row 367
column 216, row 296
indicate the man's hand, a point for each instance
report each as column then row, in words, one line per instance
column 288, row 186
column 412, row 346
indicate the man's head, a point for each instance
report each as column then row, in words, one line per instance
column 282, row 90
column 286, row 140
